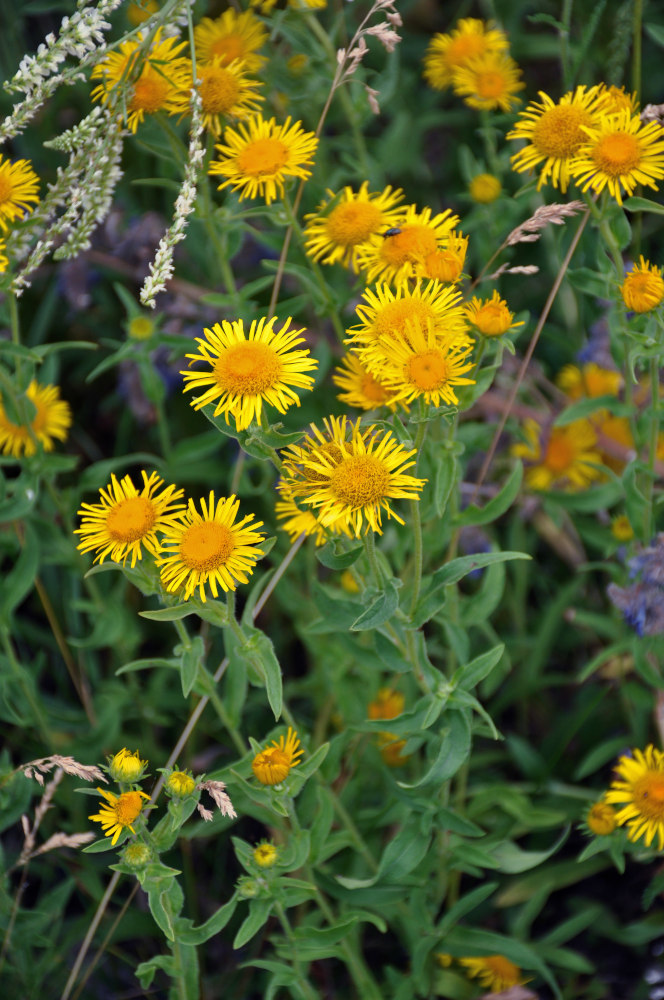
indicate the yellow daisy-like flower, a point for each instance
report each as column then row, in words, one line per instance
column 620, row 152
column 265, row 854
column 426, row 364
column 341, row 224
column 139, row 82
column 643, row 288
column 4, row 260
column 639, row 790
column 272, row 765
column 559, row 457
column 402, row 254
column 470, row 39
column 226, row 91
column 298, row 522
column 616, row 99
column 386, row 312
column 621, row 528
column 387, row 705
column 601, row 819
column 260, row 156
column 359, row 387
column 491, row 317
column 616, row 429
column 494, row 972
column 51, row 422
column 447, row 264
column 555, row 133
column 126, row 766
column 588, row 382
column 126, row 521
column 266, row 6
column 355, row 479
column 229, row 37
column 119, row 812
column 249, row 369
column 488, row 82
column 137, row 13
column 209, row 548
column 18, row 191
column 180, row 784
column 485, row 188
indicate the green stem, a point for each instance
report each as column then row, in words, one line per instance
column 637, row 19
column 21, row 677
column 305, row 985
column 649, row 513
column 370, row 550
column 220, row 244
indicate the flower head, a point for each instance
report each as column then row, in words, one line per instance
column 127, row 521
column 231, row 37
column 140, row 11
column 119, row 812
column 447, row 53
column 388, row 312
column 491, row 317
column 298, row 522
column 209, row 548
column 488, row 82
column 226, row 92
column 589, row 381
column 494, row 972
column 265, row 854
column 619, row 152
column 621, row 528
column 126, row 766
column 272, row 765
column 141, row 82
column 248, row 369
column 18, row 190
column 402, row 254
column 50, row 422
column 136, row 855
column 562, row 458
column 639, row 790
column 446, row 263
column 260, row 156
column 601, row 819
column 643, row 288
column 180, row 784
column 359, row 387
column 485, row 188
column 342, row 224
column 555, row 133
column 617, row 99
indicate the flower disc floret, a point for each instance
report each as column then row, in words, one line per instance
column 342, row 224
column 265, row 854
column 260, row 156
column 19, row 185
column 619, row 153
column 296, row 522
column 229, row 37
column 273, row 765
column 485, row 188
column 248, row 369
column 226, row 91
column 50, row 422
column 127, row 521
column 209, row 548
column 494, row 972
column 601, row 819
column 643, row 288
column 119, row 812
column 639, row 790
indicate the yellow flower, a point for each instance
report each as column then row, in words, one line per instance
column 555, row 133
column 272, row 765
column 126, row 766
column 120, row 812
column 266, row 853
column 621, row 529
column 209, row 548
column 485, row 188
column 446, row 264
column 426, row 364
column 639, row 790
column 297, row 64
column 491, row 317
column 352, row 481
column 140, row 82
column 127, row 521
column 446, row 53
column 616, row 429
column 387, row 312
column 403, row 254
column 588, row 382
column 261, row 155
column 387, row 704
column 494, row 972
column 601, row 819
column 488, row 82
column 619, row 153
column 616, row 99
column 266, row 6
column 349, row 583
column 180, row 784
column 249, row 369
column 341, row 224
column 226, row 91
column 231, row 36
column 4, row 260
column 50, row 422
column 18, row 191
column 643, row 288
column 559, row 457
column 360, row 388
column 141, row 327
column 298, row 522
column 140, row 11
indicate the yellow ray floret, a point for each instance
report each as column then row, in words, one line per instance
column 343, row 223
column 639, row 790
column 230, row 37
column 51, row 421
column 620, row 152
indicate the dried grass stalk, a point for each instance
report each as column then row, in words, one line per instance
column 548, row 215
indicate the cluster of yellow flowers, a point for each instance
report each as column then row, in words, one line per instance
column 638, row 790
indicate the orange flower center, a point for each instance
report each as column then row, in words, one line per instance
column 490, row 84
column 353, row 222
column 331, row 450
column 128, row 807
column 559, row 454
column 558, row 132
column 617, row 154
column 131, row 519
column 413, row 243
column 648, row 794
column 502, row 966
column 372, row 389
column 206, row 546
column 360, row 480
column 229, row 47
column 219, row 90
column 150, row 93
column 427, row 371
column 263, row 157
column 248, row 368
column 271, row 766
column 464, row 48
column 492, row 319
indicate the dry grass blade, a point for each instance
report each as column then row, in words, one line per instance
column 548, row 215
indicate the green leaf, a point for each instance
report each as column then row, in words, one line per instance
column 259, row 912
column 453, row 752
column 381, row 608
column 589, row 282
column 513, row 860
column 330, row 556
column 497, row 506
column 444, row 479
column 472, row 673
column 584, row 407
column 191, row 660
column 401, row 856
column 213, row 925
column 173, row 614
column 260, row 653
column 465, row 905
column 645, row 204
column 20, row 579
column 463, row 940
column 457, row 569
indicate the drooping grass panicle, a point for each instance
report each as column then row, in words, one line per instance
column 547, row 215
